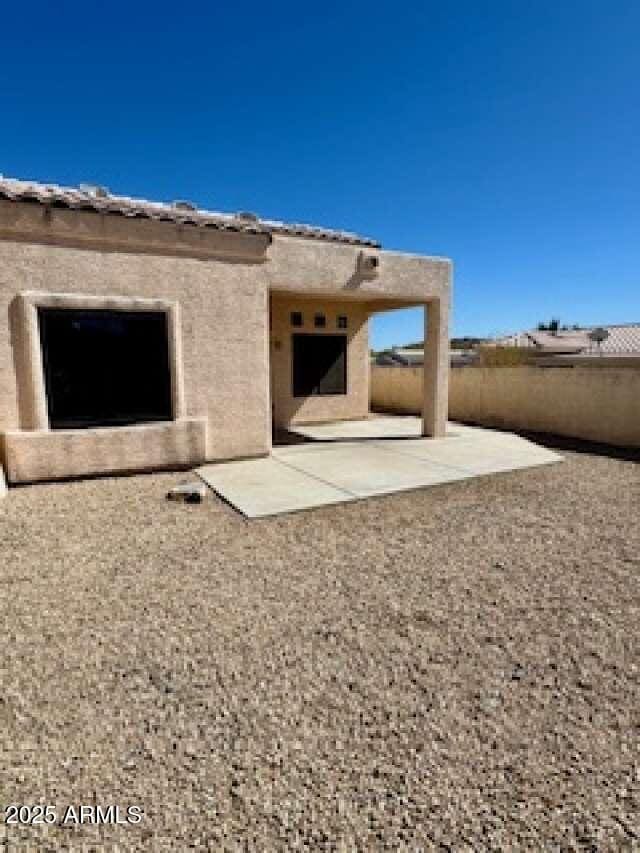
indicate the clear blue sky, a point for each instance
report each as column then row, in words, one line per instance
column 504, row 135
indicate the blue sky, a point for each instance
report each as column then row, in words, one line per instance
column 503, row 135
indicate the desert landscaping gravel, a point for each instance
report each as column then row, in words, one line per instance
column 454, row 668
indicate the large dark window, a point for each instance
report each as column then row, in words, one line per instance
column 105, row 368
column 319, row 364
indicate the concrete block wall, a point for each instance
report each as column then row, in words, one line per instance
column 595, row 403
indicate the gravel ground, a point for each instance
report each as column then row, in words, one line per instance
column 455, row 668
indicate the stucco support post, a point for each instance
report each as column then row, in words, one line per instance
column 436, row 369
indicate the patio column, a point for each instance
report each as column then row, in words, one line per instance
column 436, row 369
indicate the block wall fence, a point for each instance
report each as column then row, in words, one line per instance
column 599, row 404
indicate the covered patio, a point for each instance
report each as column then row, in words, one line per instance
column 334, row 463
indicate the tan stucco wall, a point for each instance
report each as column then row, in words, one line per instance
column 220, row 284
column 224, row 341
column 54, row 454
column 594, row 403
column 314, row 268
column 397, row 389
column 355, row 403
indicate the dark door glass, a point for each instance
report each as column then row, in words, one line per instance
column 319, row 364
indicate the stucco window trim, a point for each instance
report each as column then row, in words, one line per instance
column 34, row 414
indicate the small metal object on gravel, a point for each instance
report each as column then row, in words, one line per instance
column 190, row 493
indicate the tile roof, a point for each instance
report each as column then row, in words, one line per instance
column 89, row 197
column 561, row 341
column 623, row 339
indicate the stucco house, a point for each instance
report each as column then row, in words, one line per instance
column 137, row 335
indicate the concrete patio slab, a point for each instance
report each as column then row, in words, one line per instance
column 390, row 427
column 258, row 487
column 367, row 469
column 476, row 455
column 395, row 426
column 332, row 471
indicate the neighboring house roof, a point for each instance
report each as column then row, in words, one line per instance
column 90, row 197
column 386, row 359
column 415, row 357
column 409, row 356
column 462, row 357
column 519, row 339
column 560, row 342
column 623, row 339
